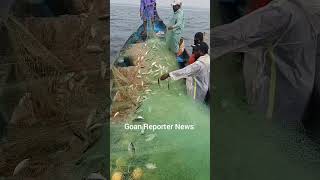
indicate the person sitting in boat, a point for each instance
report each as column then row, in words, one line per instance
column 197, row 75
column 180, row 54
column 176, row 27
column 148, row 12
column 198, row 38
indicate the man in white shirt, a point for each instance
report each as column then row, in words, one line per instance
column 197, row 75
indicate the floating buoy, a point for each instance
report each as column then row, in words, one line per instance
column 137, row 174
column 117, row 176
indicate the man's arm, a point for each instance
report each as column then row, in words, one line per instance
column 185, row 72
column 179, row 21
column 256, row 29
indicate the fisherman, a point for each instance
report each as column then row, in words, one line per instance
column 198, row 38
column 147, row 13
column 197, row 74
column 176, row 27
column 285, row 34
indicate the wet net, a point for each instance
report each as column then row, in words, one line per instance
column 55, row 115
column 157, row 130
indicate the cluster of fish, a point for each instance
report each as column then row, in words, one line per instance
column 155, row 70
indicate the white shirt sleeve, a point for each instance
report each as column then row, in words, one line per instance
column 187, row 71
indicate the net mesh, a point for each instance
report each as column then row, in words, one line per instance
column 170, row 153
column 56, row 127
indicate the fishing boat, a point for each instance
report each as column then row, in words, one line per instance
column 160, row 30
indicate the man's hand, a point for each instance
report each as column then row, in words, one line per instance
column 170, row 28
column 164, row 76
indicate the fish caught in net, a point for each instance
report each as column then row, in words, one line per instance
column 157, row 130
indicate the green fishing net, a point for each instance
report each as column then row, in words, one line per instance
column 176, row 143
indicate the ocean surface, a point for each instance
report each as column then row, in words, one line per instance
column 125, row 20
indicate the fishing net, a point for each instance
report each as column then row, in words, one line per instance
column 56, row 105
column 177, row 144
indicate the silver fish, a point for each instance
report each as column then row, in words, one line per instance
column 150, row 137
column 139, row 118
column 116, row 114
column 151, row 166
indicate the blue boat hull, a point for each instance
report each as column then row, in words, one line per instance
column 137, row 37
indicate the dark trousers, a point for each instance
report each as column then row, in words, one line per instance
column 182, row 65
column 207, row 98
